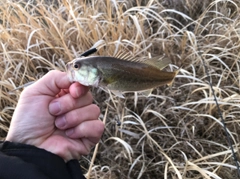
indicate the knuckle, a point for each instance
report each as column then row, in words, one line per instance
column 75, row 116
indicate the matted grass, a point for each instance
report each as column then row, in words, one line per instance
column 176, row 132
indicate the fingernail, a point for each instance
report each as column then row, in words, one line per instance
column 61, row 122
column 69, row 132
column 54, row 108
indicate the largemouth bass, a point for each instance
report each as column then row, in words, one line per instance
column 119, row 74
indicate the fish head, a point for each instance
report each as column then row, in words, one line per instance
column 85, row 73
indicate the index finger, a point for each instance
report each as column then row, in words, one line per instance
column 50, row 84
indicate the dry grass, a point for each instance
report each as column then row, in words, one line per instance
column 176, row 132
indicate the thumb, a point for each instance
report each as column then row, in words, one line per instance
column 51, row 84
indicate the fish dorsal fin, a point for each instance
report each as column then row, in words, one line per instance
column 125, row 56
column 157, row 62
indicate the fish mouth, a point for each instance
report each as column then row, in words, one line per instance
column 70, row 72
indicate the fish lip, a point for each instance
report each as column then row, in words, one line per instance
column 70, row 72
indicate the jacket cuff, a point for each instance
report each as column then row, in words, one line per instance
column 48, row 163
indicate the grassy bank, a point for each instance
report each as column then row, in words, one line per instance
column 174, row 133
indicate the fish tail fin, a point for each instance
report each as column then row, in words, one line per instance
column 175, row 74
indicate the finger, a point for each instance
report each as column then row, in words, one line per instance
column 63, row 92
column 77, row 90
column 74, row 149
column 67, row 103
column 88, row 145
column 50, row 84
column 88, row 129
column 77, row 116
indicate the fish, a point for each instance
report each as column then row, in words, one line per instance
column 121, row 74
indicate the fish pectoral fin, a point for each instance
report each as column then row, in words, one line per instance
column 158, row 62
column 111, row 86
column 147, row 92
column 117, row 93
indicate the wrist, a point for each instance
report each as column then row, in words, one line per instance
column 61, row 148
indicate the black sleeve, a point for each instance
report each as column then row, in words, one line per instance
column 22, row 161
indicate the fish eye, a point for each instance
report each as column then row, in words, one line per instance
column 76, row 66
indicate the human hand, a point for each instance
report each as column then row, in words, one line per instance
column 57, row 116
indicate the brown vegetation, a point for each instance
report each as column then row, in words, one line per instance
column 174, row 133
